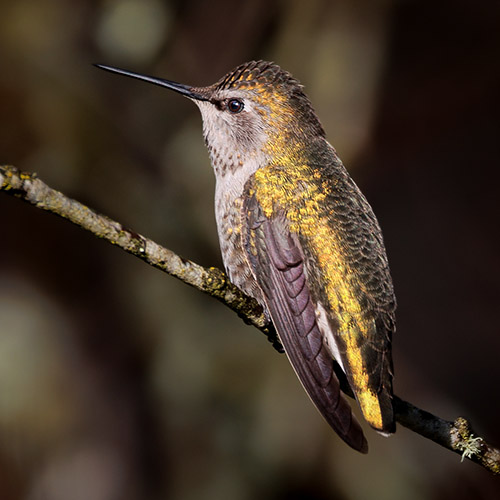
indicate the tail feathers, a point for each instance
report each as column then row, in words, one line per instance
column 378, row 411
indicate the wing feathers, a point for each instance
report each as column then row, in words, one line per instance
column 277, row 262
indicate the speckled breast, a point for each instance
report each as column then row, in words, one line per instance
column 230, row 227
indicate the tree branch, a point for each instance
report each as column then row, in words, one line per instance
column 456, row 436
column 212, row 281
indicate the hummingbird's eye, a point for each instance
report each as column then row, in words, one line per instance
column 235, row 105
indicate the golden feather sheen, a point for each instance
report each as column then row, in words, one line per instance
column 300, row 193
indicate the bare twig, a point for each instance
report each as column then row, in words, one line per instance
column 456, row 436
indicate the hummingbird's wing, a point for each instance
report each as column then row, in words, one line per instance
column 316, row 251
column 277, row 260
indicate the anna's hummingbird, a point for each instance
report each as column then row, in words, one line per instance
column 297, row 234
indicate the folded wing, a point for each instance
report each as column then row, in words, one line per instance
column 277, row 261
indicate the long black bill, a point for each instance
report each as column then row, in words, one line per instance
column 178, row 87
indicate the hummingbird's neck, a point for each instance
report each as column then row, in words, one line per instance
column 291, row 148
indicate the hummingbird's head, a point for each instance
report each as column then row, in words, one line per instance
column 256, row 112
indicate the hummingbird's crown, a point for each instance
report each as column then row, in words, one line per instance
column 257, row 73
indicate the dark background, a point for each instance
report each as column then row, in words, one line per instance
column 118, row 382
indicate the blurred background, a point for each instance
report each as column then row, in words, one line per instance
column 119, row 382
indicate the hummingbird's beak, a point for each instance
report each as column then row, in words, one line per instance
column 178, row 87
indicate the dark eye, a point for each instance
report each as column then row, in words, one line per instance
column 235, row 105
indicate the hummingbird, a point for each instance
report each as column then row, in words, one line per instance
column 297, row 234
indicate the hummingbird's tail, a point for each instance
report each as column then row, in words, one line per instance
column 378, row 412
column 370, row 376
